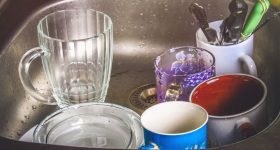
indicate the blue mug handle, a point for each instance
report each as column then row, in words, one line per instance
column 150, row 146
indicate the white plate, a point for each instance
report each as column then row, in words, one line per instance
column 28, row 136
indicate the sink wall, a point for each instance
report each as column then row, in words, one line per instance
column 142, row 30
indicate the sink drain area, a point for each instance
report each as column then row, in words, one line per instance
column 143, row 97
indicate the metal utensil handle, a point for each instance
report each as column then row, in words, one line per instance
column 259, row 9
column 199, row 14
column 235, row 21
column 277, row 14
column 23, row 70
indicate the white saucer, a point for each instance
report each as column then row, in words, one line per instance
column 28, row 136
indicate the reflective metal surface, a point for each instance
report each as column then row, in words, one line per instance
column 142, row 30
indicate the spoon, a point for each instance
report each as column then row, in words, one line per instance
column 199, row 14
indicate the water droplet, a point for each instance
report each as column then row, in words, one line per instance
column 192, row 23
column 165, row 9
column 19, row 134
column 141, row 14
column 34, row 107
column 141, row 44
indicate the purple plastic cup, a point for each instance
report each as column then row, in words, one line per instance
column 179, row 70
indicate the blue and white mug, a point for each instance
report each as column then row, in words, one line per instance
column 175, row 125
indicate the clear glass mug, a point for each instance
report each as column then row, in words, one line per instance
column 94, row 125
column 76, row 52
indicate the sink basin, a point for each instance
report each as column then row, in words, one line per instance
column 142, row 30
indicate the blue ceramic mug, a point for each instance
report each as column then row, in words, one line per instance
column 175, row 125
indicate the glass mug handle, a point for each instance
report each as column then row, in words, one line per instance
column 173, row 92
column 23, row 70
column 249, row 65
column 245, row 127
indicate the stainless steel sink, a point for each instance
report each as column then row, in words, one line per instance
column 142, row 30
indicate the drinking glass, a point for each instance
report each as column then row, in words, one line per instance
column 180, row 69
column 76, row 53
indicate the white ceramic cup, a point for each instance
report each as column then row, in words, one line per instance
column 235, row 58
column 236, row 104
